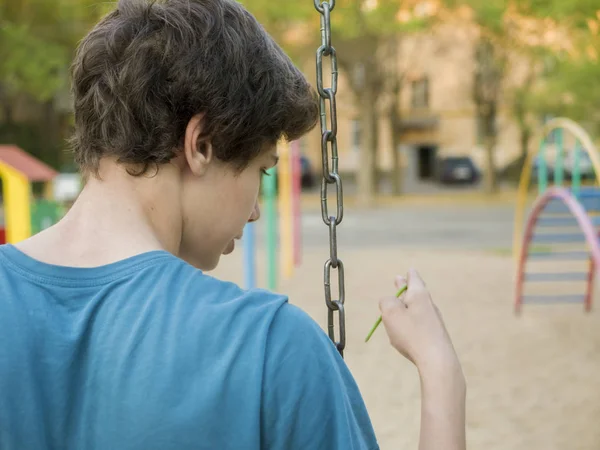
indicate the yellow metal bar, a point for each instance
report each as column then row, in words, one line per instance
column 17, row 199
column 522, row 194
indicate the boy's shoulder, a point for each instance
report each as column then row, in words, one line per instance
column 202, row 293
column 196, row 284
column 255, row 307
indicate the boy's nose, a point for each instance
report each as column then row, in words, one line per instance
column 255, row 213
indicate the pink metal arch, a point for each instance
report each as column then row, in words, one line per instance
column 586, row 227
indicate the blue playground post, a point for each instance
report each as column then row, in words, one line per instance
column 249, row 256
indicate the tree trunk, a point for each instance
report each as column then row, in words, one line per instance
column 487, row 83
column 8, row 115
column 374, row 146
column 525, row 138
column 521, row 107
column 7, row 107
column 397, row 177
column 491, row 180
column 365, row 173
column 358, row 58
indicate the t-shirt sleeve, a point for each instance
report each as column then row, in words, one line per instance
column 310, row 398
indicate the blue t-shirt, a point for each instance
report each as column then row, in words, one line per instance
column 150, row 353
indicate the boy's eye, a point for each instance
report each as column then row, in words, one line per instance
column 264, row 172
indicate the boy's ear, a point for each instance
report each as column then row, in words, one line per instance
column 197, row 148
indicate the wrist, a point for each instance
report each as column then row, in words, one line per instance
column 442, row 372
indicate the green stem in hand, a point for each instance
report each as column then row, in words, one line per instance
column 400, row 292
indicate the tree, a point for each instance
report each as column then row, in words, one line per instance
column 510, row 35
column 37, row 40
column 361, row 29
column 364, row 32
column 490, row 67
column 396, row 82
column 521, row 105
column 570, row 87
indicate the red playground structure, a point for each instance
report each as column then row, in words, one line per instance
column 562, row 229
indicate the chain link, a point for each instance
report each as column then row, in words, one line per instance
column 329, row 151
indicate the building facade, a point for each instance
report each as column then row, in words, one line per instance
column 438, row 115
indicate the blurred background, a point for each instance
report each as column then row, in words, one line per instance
column 439, row 104
column 425, row 86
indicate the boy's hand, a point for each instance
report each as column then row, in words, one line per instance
column 416, row 328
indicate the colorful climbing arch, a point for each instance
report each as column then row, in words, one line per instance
column 557, row 130
column 557, row 249
column 560, row 253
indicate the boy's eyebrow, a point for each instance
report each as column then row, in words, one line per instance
column 275, row 159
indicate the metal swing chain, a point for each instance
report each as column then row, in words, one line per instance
column 330, row 175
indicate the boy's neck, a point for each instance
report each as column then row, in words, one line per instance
column 113, row 218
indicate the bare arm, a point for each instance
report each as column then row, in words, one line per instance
column 416, row 329
column 443, row 411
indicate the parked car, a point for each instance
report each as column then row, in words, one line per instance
column 535, row 170
column 458, row 170
column 586, row 167
column 308, row 176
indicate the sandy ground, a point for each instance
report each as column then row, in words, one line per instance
column 533, row 381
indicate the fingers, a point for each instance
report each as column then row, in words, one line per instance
column 387, row 304
column 415, row 282
column 400, row 281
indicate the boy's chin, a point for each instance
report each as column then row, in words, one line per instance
column 230, row 248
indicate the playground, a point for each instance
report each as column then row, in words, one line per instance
column 524, row 324
column 532, row 377
column 530, row 359
column 514, row 272
column 533, row 381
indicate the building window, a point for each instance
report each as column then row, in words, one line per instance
column 420, row 93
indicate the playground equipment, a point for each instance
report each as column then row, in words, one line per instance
column 18, row 170
column 562, row 225
column 289, row 195
column 281, row 209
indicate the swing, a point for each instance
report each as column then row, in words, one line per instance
column 330, row 175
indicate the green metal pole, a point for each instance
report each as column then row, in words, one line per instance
column 542, row 174
column 576, row 175
column 270, row 197
column 559, row 169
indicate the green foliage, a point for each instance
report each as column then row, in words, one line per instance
column 575, row 12
column 571, row 85
column 490, row 14
column 356, row 18
column 269, row 12
column 31, row 65
column 31, row 137
column 37, row 39
column 572, row 90
column 351, row 19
